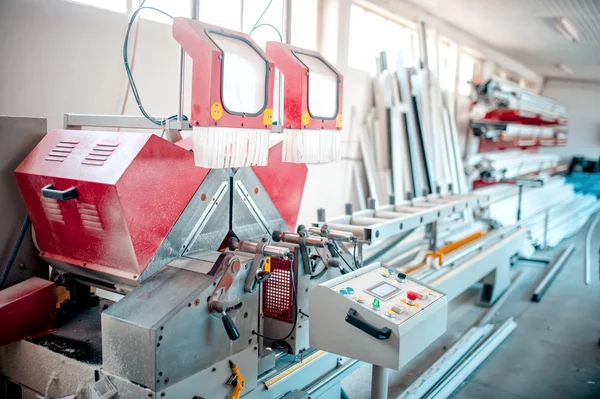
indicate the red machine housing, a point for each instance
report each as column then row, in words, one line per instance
column 284, row 182
column 295, row 98
column 110, row 179
column 27, row 309
column 207, row 69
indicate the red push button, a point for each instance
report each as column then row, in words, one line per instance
column 411, row 295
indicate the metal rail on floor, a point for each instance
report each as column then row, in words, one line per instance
column 454, row 379
column 553, row 270
column 453, row 356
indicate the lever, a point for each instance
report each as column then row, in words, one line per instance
column 230, row 328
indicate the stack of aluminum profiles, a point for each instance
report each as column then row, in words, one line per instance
column 555, row 205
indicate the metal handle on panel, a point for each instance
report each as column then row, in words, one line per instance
column 379, row 333
column 50, row 192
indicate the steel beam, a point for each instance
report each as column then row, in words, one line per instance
column 553, row 270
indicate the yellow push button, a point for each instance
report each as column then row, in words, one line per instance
column 390, row 313
column 360, row 299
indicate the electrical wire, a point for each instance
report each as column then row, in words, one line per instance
column 271, row 26
column 257, row 24
column 294, row 305
column 261, row 15
column 132, row 84
column 15, row 250
column 340, row 255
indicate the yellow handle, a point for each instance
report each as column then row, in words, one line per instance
column 239, row 387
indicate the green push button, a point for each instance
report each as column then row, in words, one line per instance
column 375, row 303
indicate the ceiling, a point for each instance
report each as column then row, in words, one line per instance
column 525, row 30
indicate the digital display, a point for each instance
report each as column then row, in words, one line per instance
column 383, row 290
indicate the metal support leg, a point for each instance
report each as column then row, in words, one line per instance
column 433, row 236
column 546, row 217
column 495, row 283
column 379, row 382
column 587, row 260
column 519, row 203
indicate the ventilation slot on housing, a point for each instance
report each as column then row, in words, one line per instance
column 52, row 210
column 62, row 150
column 90, row 216
column 100, row 153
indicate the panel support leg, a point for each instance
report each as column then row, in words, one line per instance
column 379, row 383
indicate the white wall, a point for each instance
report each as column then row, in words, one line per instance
column 582, row 100
column 65, row 57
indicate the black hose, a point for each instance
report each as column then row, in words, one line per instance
column 14, row 251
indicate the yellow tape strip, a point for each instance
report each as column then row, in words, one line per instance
column 293, row 368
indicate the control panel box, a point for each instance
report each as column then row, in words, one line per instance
column 376, row 315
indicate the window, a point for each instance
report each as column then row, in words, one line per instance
column 114, row 5
column 304, row 23
column 176, row 8
column 370, row 34
column 467, row 68
column 224, row 13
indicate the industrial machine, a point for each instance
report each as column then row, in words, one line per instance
column 209, row 289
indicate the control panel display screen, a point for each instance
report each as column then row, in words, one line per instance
column 383, row 290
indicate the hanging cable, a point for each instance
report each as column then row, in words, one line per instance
column 269, row 25
column 15, row 250
column 340, row 255
column 132, row 84
column 257, row 24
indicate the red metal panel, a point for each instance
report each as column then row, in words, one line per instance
column 128, row 201
column 154, row 190
column 27, row 309
column 296, row 87
column 284, row 182
column 206, row 75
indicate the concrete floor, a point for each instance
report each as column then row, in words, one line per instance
column 553, row 353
